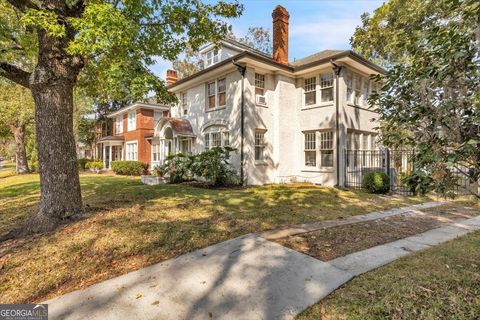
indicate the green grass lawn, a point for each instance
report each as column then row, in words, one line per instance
column 438, row 283
column 130, row 225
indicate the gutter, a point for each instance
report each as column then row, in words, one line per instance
column 337, row 69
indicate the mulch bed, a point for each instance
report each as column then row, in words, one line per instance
column 339, row 241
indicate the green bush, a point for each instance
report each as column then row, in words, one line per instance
column 128, row 168
column 376, row 182
column 419, row 182
column 94, row 165
column 213, row 166
column 177, row 167
column 82, row 162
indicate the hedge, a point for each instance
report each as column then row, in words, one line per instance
column 376, row 182
column 128, row 168
column 94, row 165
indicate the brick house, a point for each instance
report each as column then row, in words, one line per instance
column 133, row 128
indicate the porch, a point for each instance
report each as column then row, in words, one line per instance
column 112, row 149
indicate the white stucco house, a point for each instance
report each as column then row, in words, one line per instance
column 289, row 120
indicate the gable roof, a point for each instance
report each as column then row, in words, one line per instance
column 136, row 105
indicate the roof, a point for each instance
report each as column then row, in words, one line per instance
column 137, row 105
column 317, row 56
column 111, row 138
column 246, row 47
column 181, row 127
column 298, row 65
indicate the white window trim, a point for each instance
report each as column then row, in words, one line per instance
column 217, row 107
column 318, row 92
column 183, row 104
column 215, row 57
column 220, row 130
column 264, row 145
column 131, row 142
column 119, row 124
column 132, row 127
column 318, row 155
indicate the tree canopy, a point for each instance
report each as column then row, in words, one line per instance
column 430, row 99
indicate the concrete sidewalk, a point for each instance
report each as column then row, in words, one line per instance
column 243, row 278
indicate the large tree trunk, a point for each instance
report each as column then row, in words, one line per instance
column 52, row 86
column 21, row 162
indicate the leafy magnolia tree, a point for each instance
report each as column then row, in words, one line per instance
column 192, row 62
column 16, row 115
column 112, row 40
column 430, row 99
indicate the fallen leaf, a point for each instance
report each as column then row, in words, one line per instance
column 154, row 303
column 138, row 296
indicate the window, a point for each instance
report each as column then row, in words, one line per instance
column 207, row 141
column 365, row 141
column 326, row 87
column 211, row 95
column 156, row 116
column 349, row 84
column 216, row 139
column 221, row 85
column 186, row 146
column 132, row 151
column 365, row 91
column 183, row 102
column 216, row 93
column 132, row 124
column 119, row 124
column 211, row 57
column 259, row 145
column 357, row 85
column 259, row 84
column 155, row 152
column 226, row 138
column 310, row 149
column 326, row 148
column 310, row 91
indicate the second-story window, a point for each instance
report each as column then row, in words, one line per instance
column 310, row 91
column 119, row 124
column 217, row 94
column 259, row 84
column 349, row 84
column 211, row 57
column 131, row 124
column 326, row 87
column 156, row 116
column 357, row 88
column 222, row 88
column 211, row 92
column 183, row 102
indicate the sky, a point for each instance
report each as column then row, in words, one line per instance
column 315, row 25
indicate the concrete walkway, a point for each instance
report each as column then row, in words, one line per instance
column 243, row 278
column 314, row 226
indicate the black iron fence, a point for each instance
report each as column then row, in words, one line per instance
column 395, row 163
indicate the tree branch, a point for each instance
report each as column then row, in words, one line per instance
column 22, row 5
column 15, row 74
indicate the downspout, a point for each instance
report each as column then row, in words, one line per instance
column 337, row 69
column 242, row 69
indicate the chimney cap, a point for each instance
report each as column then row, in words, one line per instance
column 280, row 12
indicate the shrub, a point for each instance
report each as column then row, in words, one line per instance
column 178, row 168
column 94, row 165
column 213, row 165
column 82, row 163
column 128, row 168
column 419, row 182
column 376, row 182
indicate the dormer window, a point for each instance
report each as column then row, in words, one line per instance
column 211, row 57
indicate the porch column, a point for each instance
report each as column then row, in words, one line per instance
column 103, row 155
column 109, row 156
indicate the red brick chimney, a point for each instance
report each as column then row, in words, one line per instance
column 280, row 34
column 172, row 76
